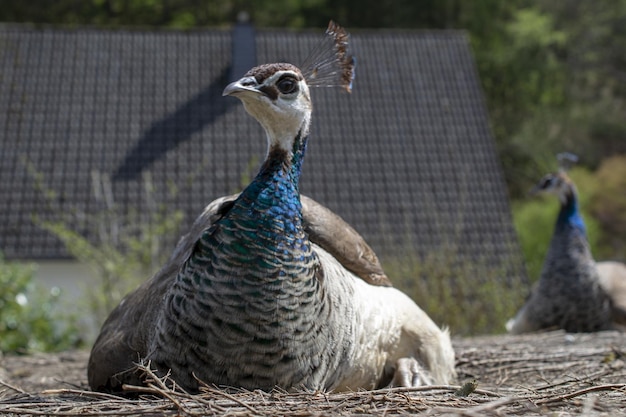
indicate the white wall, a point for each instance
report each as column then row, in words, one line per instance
column 72, row 277
column 74, row 280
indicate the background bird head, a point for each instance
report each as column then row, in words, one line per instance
column 558, row 183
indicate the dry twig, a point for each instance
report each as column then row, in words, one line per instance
column 528, row 375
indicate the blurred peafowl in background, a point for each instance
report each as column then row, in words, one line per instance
column 574, row 292
column 264, row 291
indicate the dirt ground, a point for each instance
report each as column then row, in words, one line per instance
column 554, row 374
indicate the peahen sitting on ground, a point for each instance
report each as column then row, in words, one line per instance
column 571, row 294
column 249, row 299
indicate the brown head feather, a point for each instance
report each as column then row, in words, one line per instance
column 329, row 64
column 262, row 72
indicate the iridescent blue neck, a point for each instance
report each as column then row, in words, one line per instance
column 569, row 216
column 264, row 226
column 273, row 196
column 277, row 183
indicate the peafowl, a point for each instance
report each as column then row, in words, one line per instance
column 613, row 282
column 265, row 290
column 570, row 293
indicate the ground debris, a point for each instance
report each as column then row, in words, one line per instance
column 532, row 375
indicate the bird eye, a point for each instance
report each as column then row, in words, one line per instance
column 287, row 85
column 547, row 182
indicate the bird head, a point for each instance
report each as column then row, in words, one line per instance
column 278, row 97
column 558, row 183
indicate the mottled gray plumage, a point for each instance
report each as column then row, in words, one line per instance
column 264, row 292
column 569, row 294
column 324, row 228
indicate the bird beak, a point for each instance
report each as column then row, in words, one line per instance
column 246, row 84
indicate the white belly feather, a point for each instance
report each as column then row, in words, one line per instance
column 388, row 326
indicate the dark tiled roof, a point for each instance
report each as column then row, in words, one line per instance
column 407, row 158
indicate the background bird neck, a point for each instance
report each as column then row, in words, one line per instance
column 569, row 249
column 569, row 216
column 569, row 254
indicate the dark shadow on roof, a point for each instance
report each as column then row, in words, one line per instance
column 201, row 110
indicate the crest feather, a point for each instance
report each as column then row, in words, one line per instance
column 566, row 161
column 330, row 64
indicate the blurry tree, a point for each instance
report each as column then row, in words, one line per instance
column 608, row 205
column 168, row 13
column 521, row 73
column 587, row 108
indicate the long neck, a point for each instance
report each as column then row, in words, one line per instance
column 263, row 232
column 299, row 150
column 569, row 216
column 280, row 173
column 569, row 253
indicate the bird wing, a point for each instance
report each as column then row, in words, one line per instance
column 338, row 238
column 324, row 228
column 125, row 335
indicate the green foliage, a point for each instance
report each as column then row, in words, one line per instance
column 181, row 14
column 534, row 222
column 581, row 103
column 30, row 317
column 608, row 204
column 124, row 246
column 470, row 297
column 120, row 266
column 522, row 76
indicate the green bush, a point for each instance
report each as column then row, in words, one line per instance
column 30, row 317
column 608, row 205
column 120, row 266
column 123, row 245
column 470, row 297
